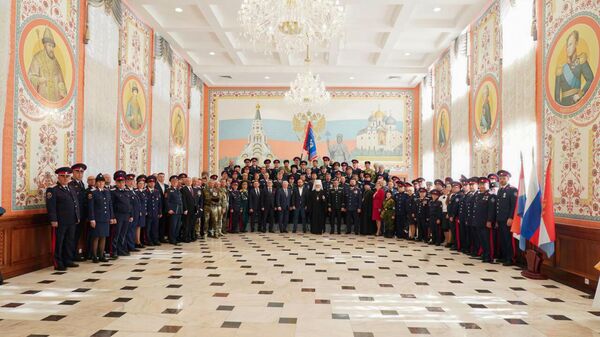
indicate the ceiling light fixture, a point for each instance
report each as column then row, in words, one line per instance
column 351, row 77
column 437, row 9
column 267, row 77
column 407, row 54
column 307, row 90
column 289, row 25
column 178, row 9
column 212, row 53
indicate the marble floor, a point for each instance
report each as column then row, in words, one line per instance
column 293, row 285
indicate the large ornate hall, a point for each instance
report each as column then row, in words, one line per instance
column 301, row 168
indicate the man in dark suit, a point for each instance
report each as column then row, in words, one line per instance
column 254, row 206
column 299, row 202
column 162, row 187
column 189, row 208
column 76, row 184
column 64, row 214
column 283, row 202
column 267, row 206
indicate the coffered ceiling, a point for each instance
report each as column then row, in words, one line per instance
column 387, row 43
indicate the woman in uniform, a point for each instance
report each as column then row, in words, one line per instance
column 100, row 215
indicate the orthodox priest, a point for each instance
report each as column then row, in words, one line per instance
column 317, row 206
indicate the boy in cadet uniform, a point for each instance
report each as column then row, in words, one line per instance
column 335, row 205
column 77, row 185
column 174, row 209
column 436, row 216
column 123, row 212
column 137, row 213
column 472, row 229
column 352, row 203
column 484, row 218
column 401, row 199
column 411, row 210
column 505, row 210
column 64, row 215
column 154, row 211
column 101, row 216
column 315, row 167
column 140, row 229
column 421, row 215
column 355, row 169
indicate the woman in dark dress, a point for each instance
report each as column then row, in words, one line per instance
column 317, row 206
column 366, row 209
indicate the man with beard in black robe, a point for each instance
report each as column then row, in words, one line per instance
column 366, row 221
column 317, row 206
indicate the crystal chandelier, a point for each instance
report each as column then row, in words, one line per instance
column 307, row 90
column 289, row 25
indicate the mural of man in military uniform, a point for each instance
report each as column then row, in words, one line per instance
column 568, row 88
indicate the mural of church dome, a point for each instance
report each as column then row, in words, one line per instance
column 381, row 134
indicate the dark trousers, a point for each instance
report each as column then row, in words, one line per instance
column 130, row 237
column 352, row 220
column 62, row 239
column 422, row 227
column 461, row 235
column 119, row 235
column 76, row 235
column 255, row 220
column 162, row 226
column 486, row 243
column 187, row 224
column 474, row 240
column 202, row 224
column 152, row 228
column 505, row 236
column 268, row 217
column 335, row 219
column 284, row 218
column 400, row 225
column 436, row 231
column 235, row 221
column 174, row 227
column 300, row 213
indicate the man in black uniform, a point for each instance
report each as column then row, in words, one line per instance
column 484, row 218
column 505, row 210
column 235, row 209
column 254, row 205
column 299, row 205
column 77, row 185
column 421, row 215
column 175, row 209
column 123, row 212
column 283, row 203
column 456, row 197
column 473, row 233
column 154, row 210
column 401, row 199
column 64, row 214
column 352, row 204
column 335, row 200
column 163, row 222
column 267, row 206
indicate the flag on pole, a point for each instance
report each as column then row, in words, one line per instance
column 532, row 215
column 310, row 144
column 545, row 236
column 519, row 209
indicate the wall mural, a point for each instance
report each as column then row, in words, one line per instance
column 571, row 124
column 179, row 126
column 44, row 102
column 441, row 124
column 135, row 94
column 366, row 124
column 486, row 69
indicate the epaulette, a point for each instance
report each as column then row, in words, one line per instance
column 113, row 188
column 582, row 58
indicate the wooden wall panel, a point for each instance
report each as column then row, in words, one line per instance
column 24, row 244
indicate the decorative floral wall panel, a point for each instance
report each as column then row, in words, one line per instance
column 179, row 117
column 569, row 73
column 486, row 107
column 441, row 118
column 43, row 121
column 135, row 94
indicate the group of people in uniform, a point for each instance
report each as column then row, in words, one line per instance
column 473, row 215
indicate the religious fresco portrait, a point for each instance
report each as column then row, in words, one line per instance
column 573, row 65
column 178, row 126
column 486, row 106
column 133, row 100
column 47, row 64
column 442, row 128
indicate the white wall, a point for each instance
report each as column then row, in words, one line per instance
column 459, row 116
column 4, row 59
column 160, row 117
column 426, row 133
column 101, row 92
column 196, row 119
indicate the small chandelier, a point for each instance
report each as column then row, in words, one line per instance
column 289, row 25
column 307, row 90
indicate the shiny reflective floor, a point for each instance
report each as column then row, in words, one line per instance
column 293, row 285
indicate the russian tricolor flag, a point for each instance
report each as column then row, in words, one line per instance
column 520, row 209
column 532, row 215
column 545, row 236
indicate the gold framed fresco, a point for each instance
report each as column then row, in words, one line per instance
column 486, row 106
column 47, row 63
column 573, row 65
column 133, row 105
column 442, row 128
column 178, row 126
